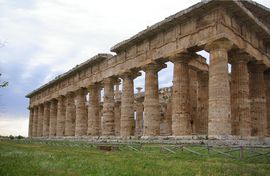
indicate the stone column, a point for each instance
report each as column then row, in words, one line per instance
column 168, row 119
column 35, row 121
column 117, row 109
column 258, row 110
column 139, row 117
column 53, row 117
column 117, row 117
column 151, row 100
column 193, row 84
column 181, row 122
column 81, row 113
column 219, row 118
column 61, row 115
column 127, row 104
column 46, row 119
column 40, row 120
column 70, row 115
column 108, row 107
column 94, row 121
column 267, row 84
column 241, row 124
column 202, row 103
column 31, row 114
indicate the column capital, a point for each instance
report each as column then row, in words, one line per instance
column 110, row 80
column 46, row 103
column 153, row 67
column 81, row 91
column 130, row 74
column 224, row 44
column 93, row 86
column 183, row 57
column 53, row 101
column 239, row 56
column 139, row 89
column 70, row 94
column 60, row 98
column 256, row 67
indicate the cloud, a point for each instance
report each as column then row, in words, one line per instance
column 14, row 126
column 47, row 38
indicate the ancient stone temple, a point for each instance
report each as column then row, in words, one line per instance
column 205, row 99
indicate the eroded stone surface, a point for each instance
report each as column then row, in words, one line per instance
column 202, row 100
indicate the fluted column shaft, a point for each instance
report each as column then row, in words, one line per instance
column 117, row 118
column 152, row 117
column 53, row 117
column 108, row 107
column 181, row 122
column 31, row 114
column 35, row 122
column 193, row 85
column 168, row 119
column 127, row 105
column 61, row 115
column 40, row 120
column 139, row 117
column 117, row 109
column 267, row 84
column 94, row 121
column 219, row 119
column 241, row 120
column 202, row 103
column 258, row 110
column 70, row 115
column 46, row 119
column 81, row 113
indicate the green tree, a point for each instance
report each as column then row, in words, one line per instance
column 4, row 83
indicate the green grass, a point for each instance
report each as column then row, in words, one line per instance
column 78, row 158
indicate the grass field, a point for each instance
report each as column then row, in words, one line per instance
column 78, row 158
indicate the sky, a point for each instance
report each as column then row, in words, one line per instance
column 42, row 39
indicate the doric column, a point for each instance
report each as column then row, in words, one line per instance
column 241, row 124
column 40, row 120
column 61, row 116
column 117, row 108
column 31, row 114
column 193, row 84
column 117, row 117
column 53, row 117
column 70, row 115
column 35, row 121
column 127, row 104
column 202, row 103
column 94, row 121
column 108, row 107
column 181, row 122
column 168, row 119
column 257, row 100
column 46, row 119
column 267, row 84
column 81, row 113
column 219, row 119
column 151, row 100
column 139, row 116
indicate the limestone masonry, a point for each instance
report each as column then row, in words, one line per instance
column 204, row 99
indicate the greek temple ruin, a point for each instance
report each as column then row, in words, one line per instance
column 98, row 97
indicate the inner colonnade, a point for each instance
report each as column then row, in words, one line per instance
column 205, row 99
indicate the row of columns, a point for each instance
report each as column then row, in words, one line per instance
column 237, row 107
